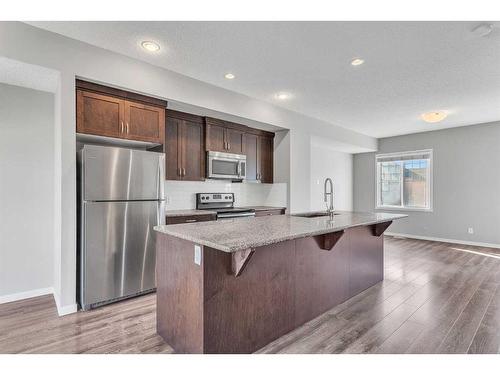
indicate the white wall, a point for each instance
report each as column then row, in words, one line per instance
column 466, row 184
column 26, row 192
column 327, row 162
column 71, row 59
column 181, row 194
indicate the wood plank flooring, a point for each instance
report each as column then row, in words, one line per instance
column 435, row 298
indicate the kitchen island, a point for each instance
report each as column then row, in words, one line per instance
column 233, row 286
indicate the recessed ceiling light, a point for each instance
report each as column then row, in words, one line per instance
column 282, row 95
column 357, row 61
column 150, row 46
column 229, row 76
column 434, row 116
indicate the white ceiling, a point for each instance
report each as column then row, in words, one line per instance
column 410, row 68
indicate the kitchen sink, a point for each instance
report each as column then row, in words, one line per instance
column 314, row 214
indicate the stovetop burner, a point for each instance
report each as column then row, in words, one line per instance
column 223, row 204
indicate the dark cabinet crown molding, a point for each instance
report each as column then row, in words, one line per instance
column 233, row 125
column 95, row 87
column 184, row 116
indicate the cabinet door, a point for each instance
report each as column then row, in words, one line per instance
column 265, row 159
column 216, row 139
column 172, row 149
column 144, row 122
column 193, row 155
column 250, row 149
column 234, row 139
column 99, row 114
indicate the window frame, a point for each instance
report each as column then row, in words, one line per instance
column 430, row 182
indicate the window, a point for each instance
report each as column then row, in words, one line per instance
column 404, row 180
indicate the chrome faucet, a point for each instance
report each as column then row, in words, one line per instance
column 329, row 208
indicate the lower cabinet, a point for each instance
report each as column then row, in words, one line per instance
column 189, row 219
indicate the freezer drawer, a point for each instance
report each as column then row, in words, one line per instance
column 114, row 174
column 118, row 249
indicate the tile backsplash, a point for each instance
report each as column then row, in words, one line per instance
column 181, row 194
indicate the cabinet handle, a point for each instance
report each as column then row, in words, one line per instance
column 228, row 146
column 121, row 128
column 179, row 172
column 127, row 127
column 183, row 171
column 190, row 220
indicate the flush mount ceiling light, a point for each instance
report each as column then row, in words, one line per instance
column 229, row 76
column 150, row 46
column 282, row 95
column 434, row 116
column 357, row 61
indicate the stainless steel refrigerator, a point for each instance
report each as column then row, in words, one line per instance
column 121, row 199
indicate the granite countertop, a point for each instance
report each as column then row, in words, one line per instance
column 174, row 213
column 232, row 235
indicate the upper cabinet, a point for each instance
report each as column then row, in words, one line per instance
column 265, row 159
column 224, row 136
column 144, row 122
column 184, row 147
column 259, row 150
column 257, row 145
column 99, row 114
column 110, row 112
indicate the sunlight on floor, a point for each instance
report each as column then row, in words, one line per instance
column 477, row 252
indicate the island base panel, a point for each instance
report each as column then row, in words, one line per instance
column 205, row 308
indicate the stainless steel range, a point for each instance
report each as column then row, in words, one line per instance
column 223, row 204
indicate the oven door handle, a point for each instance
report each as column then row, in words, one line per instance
column 230, row 215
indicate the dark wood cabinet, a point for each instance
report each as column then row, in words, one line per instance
column 109, row 112
column 234, row 139
column 250, row 149
column 224, row 136
column 184, row 147
column 265, row 159
column 99, row 114
column 189, row 219
column 216, row 138
column 259, row 150
column 144, row 122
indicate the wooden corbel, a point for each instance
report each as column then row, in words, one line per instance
column 328, row 240
column 239, row 260
column 379, row 228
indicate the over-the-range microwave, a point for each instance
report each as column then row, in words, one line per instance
column 223, row 165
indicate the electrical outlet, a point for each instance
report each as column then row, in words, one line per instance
column 470, row 230
column 197, row 255
column 167, row 199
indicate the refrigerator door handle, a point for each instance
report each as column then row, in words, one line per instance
column 161, row 177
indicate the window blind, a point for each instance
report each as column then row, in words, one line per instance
column 404, row 156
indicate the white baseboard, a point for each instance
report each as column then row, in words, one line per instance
column 26, row 294
column 66, row 309
column 437, row 239
column 61, row 310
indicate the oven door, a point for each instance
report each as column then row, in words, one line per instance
column 225, row 166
